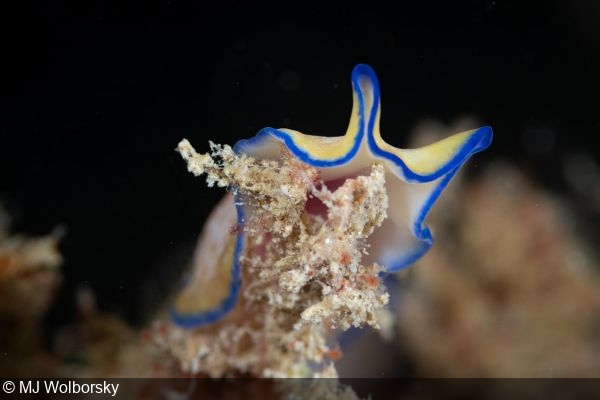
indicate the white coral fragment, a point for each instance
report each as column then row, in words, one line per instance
column 302, row 271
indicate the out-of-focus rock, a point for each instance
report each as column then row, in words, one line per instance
column 508, row 290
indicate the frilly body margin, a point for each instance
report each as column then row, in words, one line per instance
column 364, row 129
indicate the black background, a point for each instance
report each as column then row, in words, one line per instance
column 96, row 95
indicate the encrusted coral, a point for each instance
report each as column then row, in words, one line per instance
column 29, row 277
column 301, row 268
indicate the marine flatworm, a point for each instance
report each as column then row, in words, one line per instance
column 415, row 179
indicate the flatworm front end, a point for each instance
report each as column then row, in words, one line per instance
column 415, row 179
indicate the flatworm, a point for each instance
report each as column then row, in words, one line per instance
column 415, row 179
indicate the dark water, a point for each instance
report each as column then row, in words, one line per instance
column 95, row 99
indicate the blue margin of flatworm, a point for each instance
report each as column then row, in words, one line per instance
column 264, row 133
column 191, row 321
column 478, row 141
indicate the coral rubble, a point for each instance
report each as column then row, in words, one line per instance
column 29, row 277
column 302, row 272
